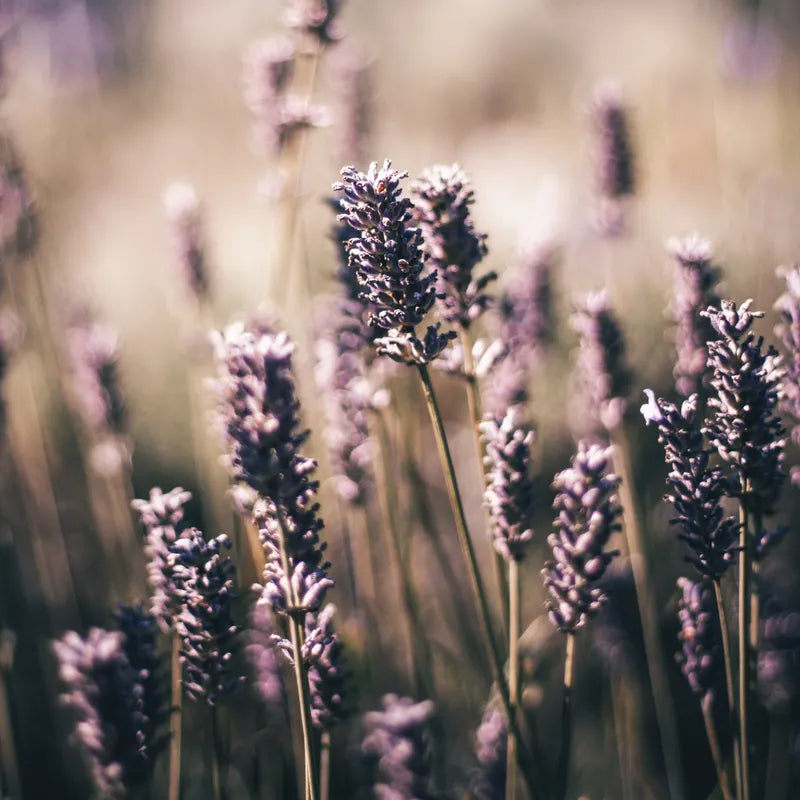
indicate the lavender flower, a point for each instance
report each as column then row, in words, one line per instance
column 397, row 740
column 523, row 324
column 587, row 509
column 162, row 517
column 352, row 80
column 489, row 781
column 388, row 259
column 278, row 116
column 788, row 306
column 19, row 224
column 262, row 653
column 778, row 659
column 104, row 695
column 696, row 488
column 742, row 425
column 323, row 652
column 184, row 213
column 698, row 656
column 602, row 375
column 203, row 578
column 442, row 200
column 614, row 177
column 696, row 278
column 317, row 19
column 509, row 488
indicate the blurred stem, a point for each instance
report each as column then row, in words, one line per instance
column 216, row 755
column 531, row 770
column 624, row 746
column 175, row 719
column 713, row 743
column 476, row 415
column 566, row 720
column 648, row 610
column 295, row 616
column 421, row 659
column 325, row 765
column 11, row 786
column 727, row 657
column 513, row 673
column 744, row 649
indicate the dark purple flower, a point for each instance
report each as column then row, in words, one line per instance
column 103, row 693
column 742, row 425
column 698, row 656
column 162, row 517
column 509, row 488
column 696, row 279
column 443, row 198
column 696, row 488
column 587, row 511
column 602, row 376
column 397, row 741
column 203, row 579
column 387, row 257
column 323, row 652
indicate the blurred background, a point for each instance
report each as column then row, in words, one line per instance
column 108, row 102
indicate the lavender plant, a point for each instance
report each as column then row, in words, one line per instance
column 696, row 279
column 788, row 331
column 185, row 216
column 491, row 741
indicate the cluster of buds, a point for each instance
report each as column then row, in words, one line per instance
column 698, row 657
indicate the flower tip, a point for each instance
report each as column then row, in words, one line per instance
column 650, row 410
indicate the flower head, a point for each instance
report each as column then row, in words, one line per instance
column 698, row 656
column 587, row 511
column 491, row 746
column 788, row 331
column 184, row 214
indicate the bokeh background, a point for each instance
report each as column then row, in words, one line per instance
column 109, row 102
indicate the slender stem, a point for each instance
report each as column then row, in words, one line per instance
column 325, row 765
column 475, row 414
column 175, row 720
column 513, row 673
column 215, row 756
column 648, row 610
column 296, row 635
column 623, row 745
column 744, row 649
column 713, row 743
column 728, row 659
column 566, row 720
column 421, row 659
column 531, row 770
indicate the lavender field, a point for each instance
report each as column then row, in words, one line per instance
column 399, row 400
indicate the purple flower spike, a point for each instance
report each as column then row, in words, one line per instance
column 587, row 509
column 696, row 488
column 743, row 427
column 788, row 306
column 491, row 746
column 698, row 656
column 696, row 279
column 442, row 200
column 388, row 260
column 184, row 214
column 323, row 652
column 397, row 740
column 509, row 488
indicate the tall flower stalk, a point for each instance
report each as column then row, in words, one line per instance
column 387, row 256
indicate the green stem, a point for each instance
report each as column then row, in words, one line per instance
column 535, row 781
column 513, row 673
column 744, row 649
column 175, row 720
column 475, row 414
column 648, row 610
column 296, row 635
column 728, row 659
column 566, row 720
column 713, row 743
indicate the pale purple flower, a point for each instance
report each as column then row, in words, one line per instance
column 185, row 216
column 699, row 654
column 262, row 652
column 491, row 746
column 351, row 73
column 587, row 511
column 317, row 19
column 788, row 331
column 323, row 652
column 19, row 222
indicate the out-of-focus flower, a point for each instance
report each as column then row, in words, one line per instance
column 696, row 279
column 587, row 511
column 698, row 656
column 509, row 488
column 788, row 331
column 103, row 693
column 779, row 658
column 696, row 488
column 351, row 73
column 184, row 214
column 317, row 19
column 387, row 257
column 742, row 425
column 397, row 740
column 19, row 222
column 442, row 200
column 263, row 655
column 491, row 747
